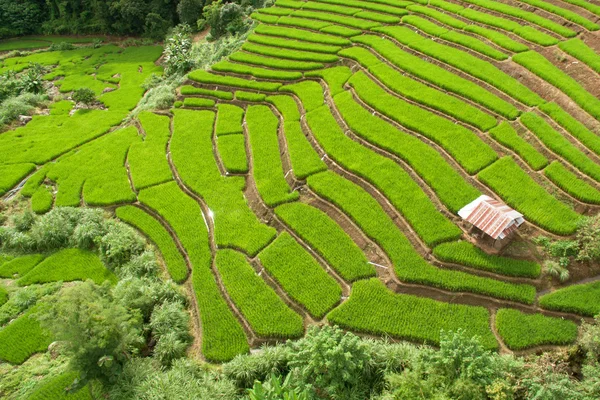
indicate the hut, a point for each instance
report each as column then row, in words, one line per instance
column 492, row 217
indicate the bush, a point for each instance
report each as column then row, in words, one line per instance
column 84, row 95
column 61, row 46
column 177, row 54
column 119, row 244
column 588, row 237
column 190, row 11
column 224, row 18
column 23, row 104
column 170, row 327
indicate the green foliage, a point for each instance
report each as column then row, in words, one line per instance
column 329, row 362
column 119, row 244
column 420, row 92
column 178, row 54
column 327, row 238
column 470, row 151
column 268, row 171
column 588, row 238
column 22, row 299
column 249, row 96
column 570, row 183
column 159, row 235
column 506, row 135
column 566, row 14
column 298, row 55
column 22, row 338
column 99, row 334
column 229, row 120
column 300, row 275
column 579, row 299
column 292, row 44
column 222, row 334
column 3, row 296
column 232, row 149
column 519, row 330
column 170, row 324
column 374, row 309
column 12, row 174
column 465, row 253
column 192, row 90
column 84, row 95
column 69, row 265
column 274, row 389
column 408, row 264
column 497, row 38
column 561, row 145
column 506, row 178
column 224, row 18
column 266, row 313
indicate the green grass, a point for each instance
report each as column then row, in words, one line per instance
column 506, row 135
column 198, row 102
column 340, row 31
column 12, row 174
column 22, row 338
column 20, row 265
column 335, row 77
column 293, row 44
column 3, row 295
column 384, row 19
column 434, row 14
column 393, row 7
column 22, row 44
column 433, row 29
column 520, row 331
column 305, row 160
column 157, row 233
column 581, row 51
column 249, row 96
column 573, row 126
column 560, row 145
column 300, row 275
column 257, row 72
column 311, row 24
column 408, row 264
column 533, row 35
column 357, row 23
column 222, row 335
column 299, row 34
column 310, row 94
column 232, row 149
column 465, row 62
column 570, row 183
column 55, row 388
column 465, row 253
column 189, row 90
column 96, row 172
column 266, row 313
column 327, row 238
column 268, row 169
column 507, row 179
column 192, row 152
column 229, row 120
column 147, row 161
column 437, row 75
column 543, row 68
column 464, row 145
column 42, row 199
column 586, row 5
column 524, row 15
column 221, row 80
column 386, row 175
column 497, row 38
column 449, row 186
column 419, row 92
column 374, row 309
column 566, row 14
column 579, row 299
column 265, row 18
column 298, row 55
column 270, row 62
column 68, row 265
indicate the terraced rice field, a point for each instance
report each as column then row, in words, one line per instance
column 315, row 175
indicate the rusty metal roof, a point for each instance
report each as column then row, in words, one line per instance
column 492, row 216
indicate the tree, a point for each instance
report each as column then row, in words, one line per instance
column 190, row 11
column 84, row 95
column 99, row 334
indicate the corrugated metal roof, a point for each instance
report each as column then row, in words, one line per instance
column 492, row 216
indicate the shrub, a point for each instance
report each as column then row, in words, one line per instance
column 190, row 11
column 224, row 18
column 588, row 237
column 61, row 46
column 119, row 244
column 170, row 327
column 84, row 95
column 177, row 55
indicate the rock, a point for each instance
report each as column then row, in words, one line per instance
column 25, row 118
column 108, row 89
